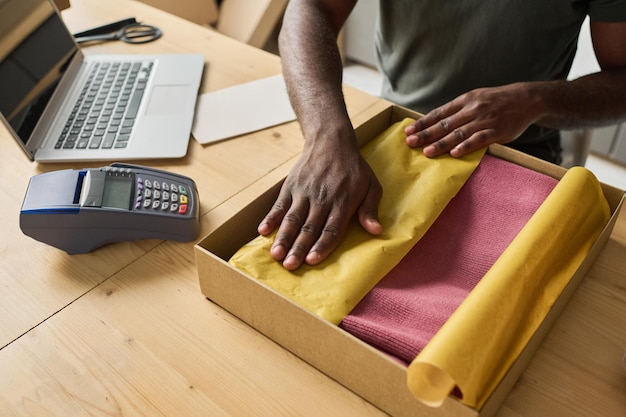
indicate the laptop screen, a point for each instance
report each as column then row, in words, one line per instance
column 35, row 51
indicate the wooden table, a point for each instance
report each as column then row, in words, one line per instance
column 124, row 330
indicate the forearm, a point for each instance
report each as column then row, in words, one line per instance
column 312, row 69
column 597, row 99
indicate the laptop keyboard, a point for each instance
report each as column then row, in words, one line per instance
column 104, row 114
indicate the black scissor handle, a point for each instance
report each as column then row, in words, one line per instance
column 108, row 28
column 139, row 33
column 126, row 30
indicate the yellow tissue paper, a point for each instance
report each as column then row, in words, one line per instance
column 480, row 341
column 416, row 191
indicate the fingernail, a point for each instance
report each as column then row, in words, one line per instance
column 313, row 258
column 277, row 252
column 377, row 228
column 290, row 262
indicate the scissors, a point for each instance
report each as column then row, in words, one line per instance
column 125, row 30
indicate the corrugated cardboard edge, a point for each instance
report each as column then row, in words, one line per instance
column 353, row 363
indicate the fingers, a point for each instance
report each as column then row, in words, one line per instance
column 288, row 246
column 439, row 131
column 308, row 234
column 368, row 210
column 329, row 238
column 296, row 236
column 275, row 216
column 456, row 134
column 457, row 143
column 300, row 227
column 477, row 141
column 434, row 126
column 474, row 120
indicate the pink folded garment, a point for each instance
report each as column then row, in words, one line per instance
column 409, row 305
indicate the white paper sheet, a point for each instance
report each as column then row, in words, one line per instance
column 242, row 109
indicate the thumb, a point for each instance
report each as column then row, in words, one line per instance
column 368, row 213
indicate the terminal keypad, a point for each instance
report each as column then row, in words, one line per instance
column 163, row 196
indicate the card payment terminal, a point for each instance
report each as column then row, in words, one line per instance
column 80, row 210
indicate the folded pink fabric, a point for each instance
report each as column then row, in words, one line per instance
column 409, row 305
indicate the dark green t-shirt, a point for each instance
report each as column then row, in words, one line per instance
column 430, row 52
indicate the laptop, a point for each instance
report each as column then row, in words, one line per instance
column 62, row 105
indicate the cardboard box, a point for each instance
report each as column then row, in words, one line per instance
column 203, row 12
column 355, row 364
column 62, row 4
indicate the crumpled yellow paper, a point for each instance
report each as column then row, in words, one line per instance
column 480, row 341
column 416, row 190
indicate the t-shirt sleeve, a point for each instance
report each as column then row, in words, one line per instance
column 607, row 10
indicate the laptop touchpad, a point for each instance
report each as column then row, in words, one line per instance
column 169, row 99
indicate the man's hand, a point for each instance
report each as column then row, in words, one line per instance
column 474, row 120
column 323, row 191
